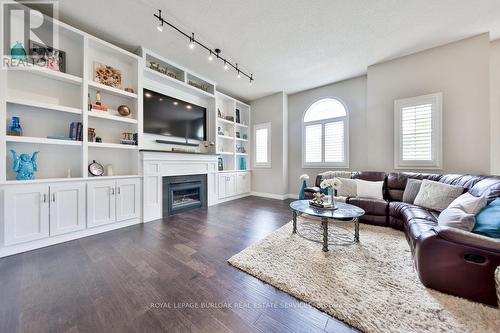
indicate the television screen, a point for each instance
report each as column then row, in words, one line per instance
column 164, row 115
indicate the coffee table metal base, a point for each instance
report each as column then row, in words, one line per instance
column 321, row 233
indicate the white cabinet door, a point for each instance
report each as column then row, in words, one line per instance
column 26, row 213
column 67, row 208
column 222, row 186
column 231, row 185
column 127, row 199
column 243, row 183
column 101, row 202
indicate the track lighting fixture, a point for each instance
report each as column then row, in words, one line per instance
column 212, row 52
column 160, row 24
column 191, row 42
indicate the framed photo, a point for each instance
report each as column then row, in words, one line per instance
column 107, row 75
column 45, row 56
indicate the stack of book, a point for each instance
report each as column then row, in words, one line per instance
column 320, row 204
column 76, row 131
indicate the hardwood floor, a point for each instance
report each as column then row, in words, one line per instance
column 168, row 275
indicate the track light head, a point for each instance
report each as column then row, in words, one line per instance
column 251, row 79
column 191, row 42
column 239, row 75
column 210, row 56
column 160, row 26
column 226, row 67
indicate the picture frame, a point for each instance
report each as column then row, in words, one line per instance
column 48, row 57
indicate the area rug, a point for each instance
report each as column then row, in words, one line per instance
column 371, row 285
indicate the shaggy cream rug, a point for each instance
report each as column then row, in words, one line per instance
column 371, row 285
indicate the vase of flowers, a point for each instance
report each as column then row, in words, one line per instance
column 302, row 193
column 332, row 185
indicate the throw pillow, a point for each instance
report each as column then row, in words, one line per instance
column 367, row 189
column 411, row 190
column 469, row 203
column 437, row 196
column 348, row 188
column 456, row 218
column 488, row 220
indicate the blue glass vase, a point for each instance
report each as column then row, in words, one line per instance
column 243, row 163
column 302, row 193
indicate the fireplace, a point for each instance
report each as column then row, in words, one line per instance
column 182, row 193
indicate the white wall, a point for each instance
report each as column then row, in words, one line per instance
column 495, row 106
column 353, row 94
column 272, row 181
column 460, row 71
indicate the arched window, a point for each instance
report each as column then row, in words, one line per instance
column 325, row 134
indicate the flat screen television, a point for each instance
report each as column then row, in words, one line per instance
column 168, row 116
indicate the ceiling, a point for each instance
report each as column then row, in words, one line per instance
column 289, row 45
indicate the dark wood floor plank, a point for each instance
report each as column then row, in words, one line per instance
column 169, row 275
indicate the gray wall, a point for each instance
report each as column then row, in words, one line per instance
column 353, row 94
column 272, row 180
column 495, row 106
column 460, row 71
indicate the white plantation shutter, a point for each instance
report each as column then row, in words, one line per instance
column 325, row 134
column 334, row 142
column 418, row 132
column 262, row 145
column 313, row 138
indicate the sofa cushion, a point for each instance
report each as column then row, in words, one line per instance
column 411, row 190
column 416, row 228
column 487, row 187
column 419, row 213
column 488, row 220
column 396, row 182
column 370, row 206
column 396, row 208
column 469, row 203
column 456, row 218
column 348, row 187
column 437, row 196
column 370, row 189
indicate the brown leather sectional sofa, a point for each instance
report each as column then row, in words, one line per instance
column 447, row 259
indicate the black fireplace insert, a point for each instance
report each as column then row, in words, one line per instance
column 182, row 193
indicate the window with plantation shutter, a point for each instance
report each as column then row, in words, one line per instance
column 262, row 135
column 325, row 134
column 418, row 132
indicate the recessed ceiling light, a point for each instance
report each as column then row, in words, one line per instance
column 148, row 95
column 188, row 106
column 176, row 103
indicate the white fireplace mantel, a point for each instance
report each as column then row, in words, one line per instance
column 156, row 165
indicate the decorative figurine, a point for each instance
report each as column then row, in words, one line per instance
column 91, row 134
column 319, row 198
column 98, row 139
column 98, row 98
column 123, row 110
column 24, row 165
column 15, row 128
column 17, row 52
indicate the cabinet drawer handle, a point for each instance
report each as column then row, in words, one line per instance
column 53, row 197
column 118, row 189
column 112, row 191
column 44, row 197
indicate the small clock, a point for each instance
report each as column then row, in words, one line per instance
column 96, row 169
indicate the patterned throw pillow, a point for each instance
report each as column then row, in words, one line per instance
column 411, row 190
column 437, row 196
column 348, row 188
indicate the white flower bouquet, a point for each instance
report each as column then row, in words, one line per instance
column 333, row 184
column 304, row 177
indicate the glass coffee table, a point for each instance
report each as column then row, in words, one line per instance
column 342, row 214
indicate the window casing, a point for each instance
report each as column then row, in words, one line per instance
column 418, row 132
column 325, row 135
column 262, row 146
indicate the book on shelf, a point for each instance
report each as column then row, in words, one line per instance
column 96, row 107
column 76, row 131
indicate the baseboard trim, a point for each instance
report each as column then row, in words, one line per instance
column 292, row 196
column 232, row 198
column 38, row 244
column 269, row 195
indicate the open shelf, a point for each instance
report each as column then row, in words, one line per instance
column 111, row 145
column 222, row 120
column 46, row 106
column 111, row 90
column 52, row 74
column 224, row 153
column 106, row 115
column 27, row 139
column 242, row 154
column 159, row 77
column 225, row 137
column 241, row 125
column 243, row 140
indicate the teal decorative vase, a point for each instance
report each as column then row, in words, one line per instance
column 18, row 52
column 302, row 193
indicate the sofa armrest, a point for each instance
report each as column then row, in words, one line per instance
column 468, row 238
column 312, row 189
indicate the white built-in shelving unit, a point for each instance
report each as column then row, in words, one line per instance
column 232, row 143
column 48, row 101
